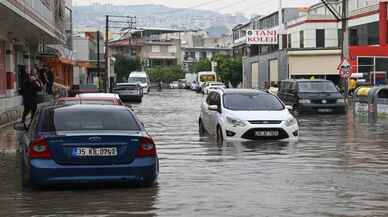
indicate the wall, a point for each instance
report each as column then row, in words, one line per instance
column 264, row 68
column 81, row 49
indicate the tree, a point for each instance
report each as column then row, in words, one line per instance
column 202, row 65
column 229, row 69
column 125, row 65
column 166, row 73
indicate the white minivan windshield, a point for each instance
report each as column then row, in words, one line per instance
column 251, row 102
column 137, row 79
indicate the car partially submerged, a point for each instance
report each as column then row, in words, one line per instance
column 129, row 91
column 213, row 86
column 73, row 144
column 89, row 100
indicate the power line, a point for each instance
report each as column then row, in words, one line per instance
column 188, row 8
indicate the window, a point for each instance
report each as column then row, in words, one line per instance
column 320, row 38
column 78, row 119
column 155, row 49
column 252, row 102
column 340, row 38
column 301, row 39
column 289, row 41
column 366, row 34
column 284, row 41
column 172, row 49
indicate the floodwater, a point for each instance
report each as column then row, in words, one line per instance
column 339, row 167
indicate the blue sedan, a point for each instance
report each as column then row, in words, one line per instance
column 87, row 144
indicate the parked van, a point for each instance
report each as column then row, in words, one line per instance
column 307, row 96
column 142, row 79
column 206, row 77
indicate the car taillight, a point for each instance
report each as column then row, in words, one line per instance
column 39, row 149
column 147, row 148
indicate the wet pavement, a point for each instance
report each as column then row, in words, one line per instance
column 339, row 167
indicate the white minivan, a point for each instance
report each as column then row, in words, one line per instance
column 142, row 79
column 245, row 114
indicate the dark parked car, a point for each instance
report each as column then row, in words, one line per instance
column 83, row 88
column 308, row 96
column 129, row 92
column 69, row 144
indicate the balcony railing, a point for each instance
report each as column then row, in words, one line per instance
column 363, row 10
column 41, row 10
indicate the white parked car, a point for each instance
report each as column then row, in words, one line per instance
column 174, row 85
column 246, row 114
column 213, row 86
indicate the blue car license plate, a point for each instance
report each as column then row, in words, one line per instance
column 94, row 152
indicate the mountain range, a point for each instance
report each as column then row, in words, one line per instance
column 150, row 15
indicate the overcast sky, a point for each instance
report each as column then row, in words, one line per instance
column 247, row 7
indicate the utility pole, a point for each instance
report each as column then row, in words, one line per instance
column 107, row 58
column 345, row 41
column 123, row 23
column 343, row 17
column 98, row 60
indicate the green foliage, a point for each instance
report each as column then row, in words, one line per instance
column 202, row 66
column 166, row 73
column 125, row 65
column 229, row 69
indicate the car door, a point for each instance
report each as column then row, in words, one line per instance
column 205, row 112
column 214, row 115
column 292, row 96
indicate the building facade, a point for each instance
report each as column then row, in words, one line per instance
column 314, row 39
column 27, row 28
column 154, row 47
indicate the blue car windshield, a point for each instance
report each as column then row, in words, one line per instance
column 67, row 119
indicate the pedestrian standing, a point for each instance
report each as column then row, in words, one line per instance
column 50, row 81
column 29, row 91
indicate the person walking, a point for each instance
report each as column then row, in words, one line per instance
column 50, row 81
column 30, row 89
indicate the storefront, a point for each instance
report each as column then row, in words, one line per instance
column 314, row 64
column 63, row 70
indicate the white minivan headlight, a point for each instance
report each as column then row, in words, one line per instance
column 291, row 122
column 304, row 101
column 235, row 122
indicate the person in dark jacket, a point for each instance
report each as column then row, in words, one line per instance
column 50, row 81
column 30, row 89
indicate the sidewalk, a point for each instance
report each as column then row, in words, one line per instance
column 11, row 116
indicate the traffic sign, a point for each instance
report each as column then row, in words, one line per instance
column 344, row 69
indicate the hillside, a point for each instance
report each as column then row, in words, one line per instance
column 157, row 16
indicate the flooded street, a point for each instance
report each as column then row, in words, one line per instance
column 339, row 167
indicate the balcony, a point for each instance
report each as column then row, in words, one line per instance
column 363, row 10
column 40, row 9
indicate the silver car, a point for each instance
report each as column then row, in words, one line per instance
column 129, row 92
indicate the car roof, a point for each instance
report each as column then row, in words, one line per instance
column 241, row 90
column 86, row 98
column 305, row 80
column 97, row 95
column 87, row 107
column 127, row 84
